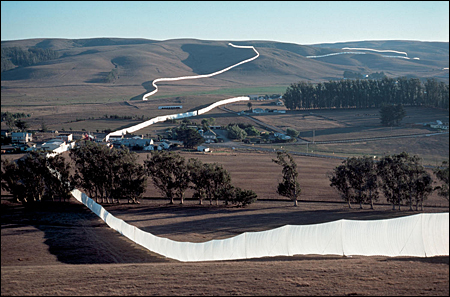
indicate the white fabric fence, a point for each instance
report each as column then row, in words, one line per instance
column 145, row 97
column 174, row 116
column 420, row 235
column 186, row 114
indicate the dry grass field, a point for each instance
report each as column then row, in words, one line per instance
column 64, row 249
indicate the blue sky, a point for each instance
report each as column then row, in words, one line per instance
column 301, row 22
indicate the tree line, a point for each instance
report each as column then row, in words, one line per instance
column 13, row 57
column 109, row 174
column 401, row 178
column 367, row 93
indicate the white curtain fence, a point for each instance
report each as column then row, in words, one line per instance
column 420, row 235
column 186, row 114
column 174, row 116
column 145, row 97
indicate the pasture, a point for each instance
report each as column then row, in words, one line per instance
column 55, row 248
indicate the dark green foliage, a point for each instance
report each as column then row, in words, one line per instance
column 292, row 132
column 289, row 187
column 351, row 74
column 442, row 173
column 392, row 115
column 33, row 178
column 58, row 181
column 251, row 131
column 106, row 173
column 21, row 125
column 112, row 76
column 235, row 132
column 341, row 180
column 367, row 93
column 244, row 197
column 404, row 179
column 356, row 180
column 169, row 174
column 213, row 181
column 190, row 137
column 16, row 57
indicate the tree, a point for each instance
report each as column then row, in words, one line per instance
column 289, row 187
column 403, row 179
column 218, row 178
column 442, row 173
column 11, row 180
column 25, row 179
column 392, row 115
column 362, row 179
column 169, row 174
column 132, row 181
column 292, row 132
column 106, row 173
column 341, row 180
column 243, row 197
column 190, row 137
column 199, row 178
column 9, row 119
column 44, row 127
column 21, row 125
column 251, row 131
column 235, row 132
column 58, row 179
column 249, row 105
column 209, row 180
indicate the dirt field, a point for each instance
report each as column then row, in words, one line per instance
column 64, row 249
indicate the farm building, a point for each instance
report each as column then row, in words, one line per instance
column 21, row 137
column 209, row 136
column 171, row 107
column 67, row 137
column 202, row 148
column 52, row 144
column 258, row 110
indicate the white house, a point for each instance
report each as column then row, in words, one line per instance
column 258, row 110
column 21, row 137
column 52, row 144
column 201, row 148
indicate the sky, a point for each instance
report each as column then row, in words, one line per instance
column 300, row 22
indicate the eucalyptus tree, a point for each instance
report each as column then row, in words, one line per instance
column 30, row 180
column 108, row 173
column 169, row 174
column 362, row 177
column 289, row 187
column 402, row 179
column 210, row 180
column 218, row 179
column 198, row 177
column 57, row 179
column 11, row 180
column 340, row 179
column 442, row 173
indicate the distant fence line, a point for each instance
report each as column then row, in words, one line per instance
column 145, row 97
column 174, row 116
column 186, row 114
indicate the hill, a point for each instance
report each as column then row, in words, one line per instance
column 117, row 69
